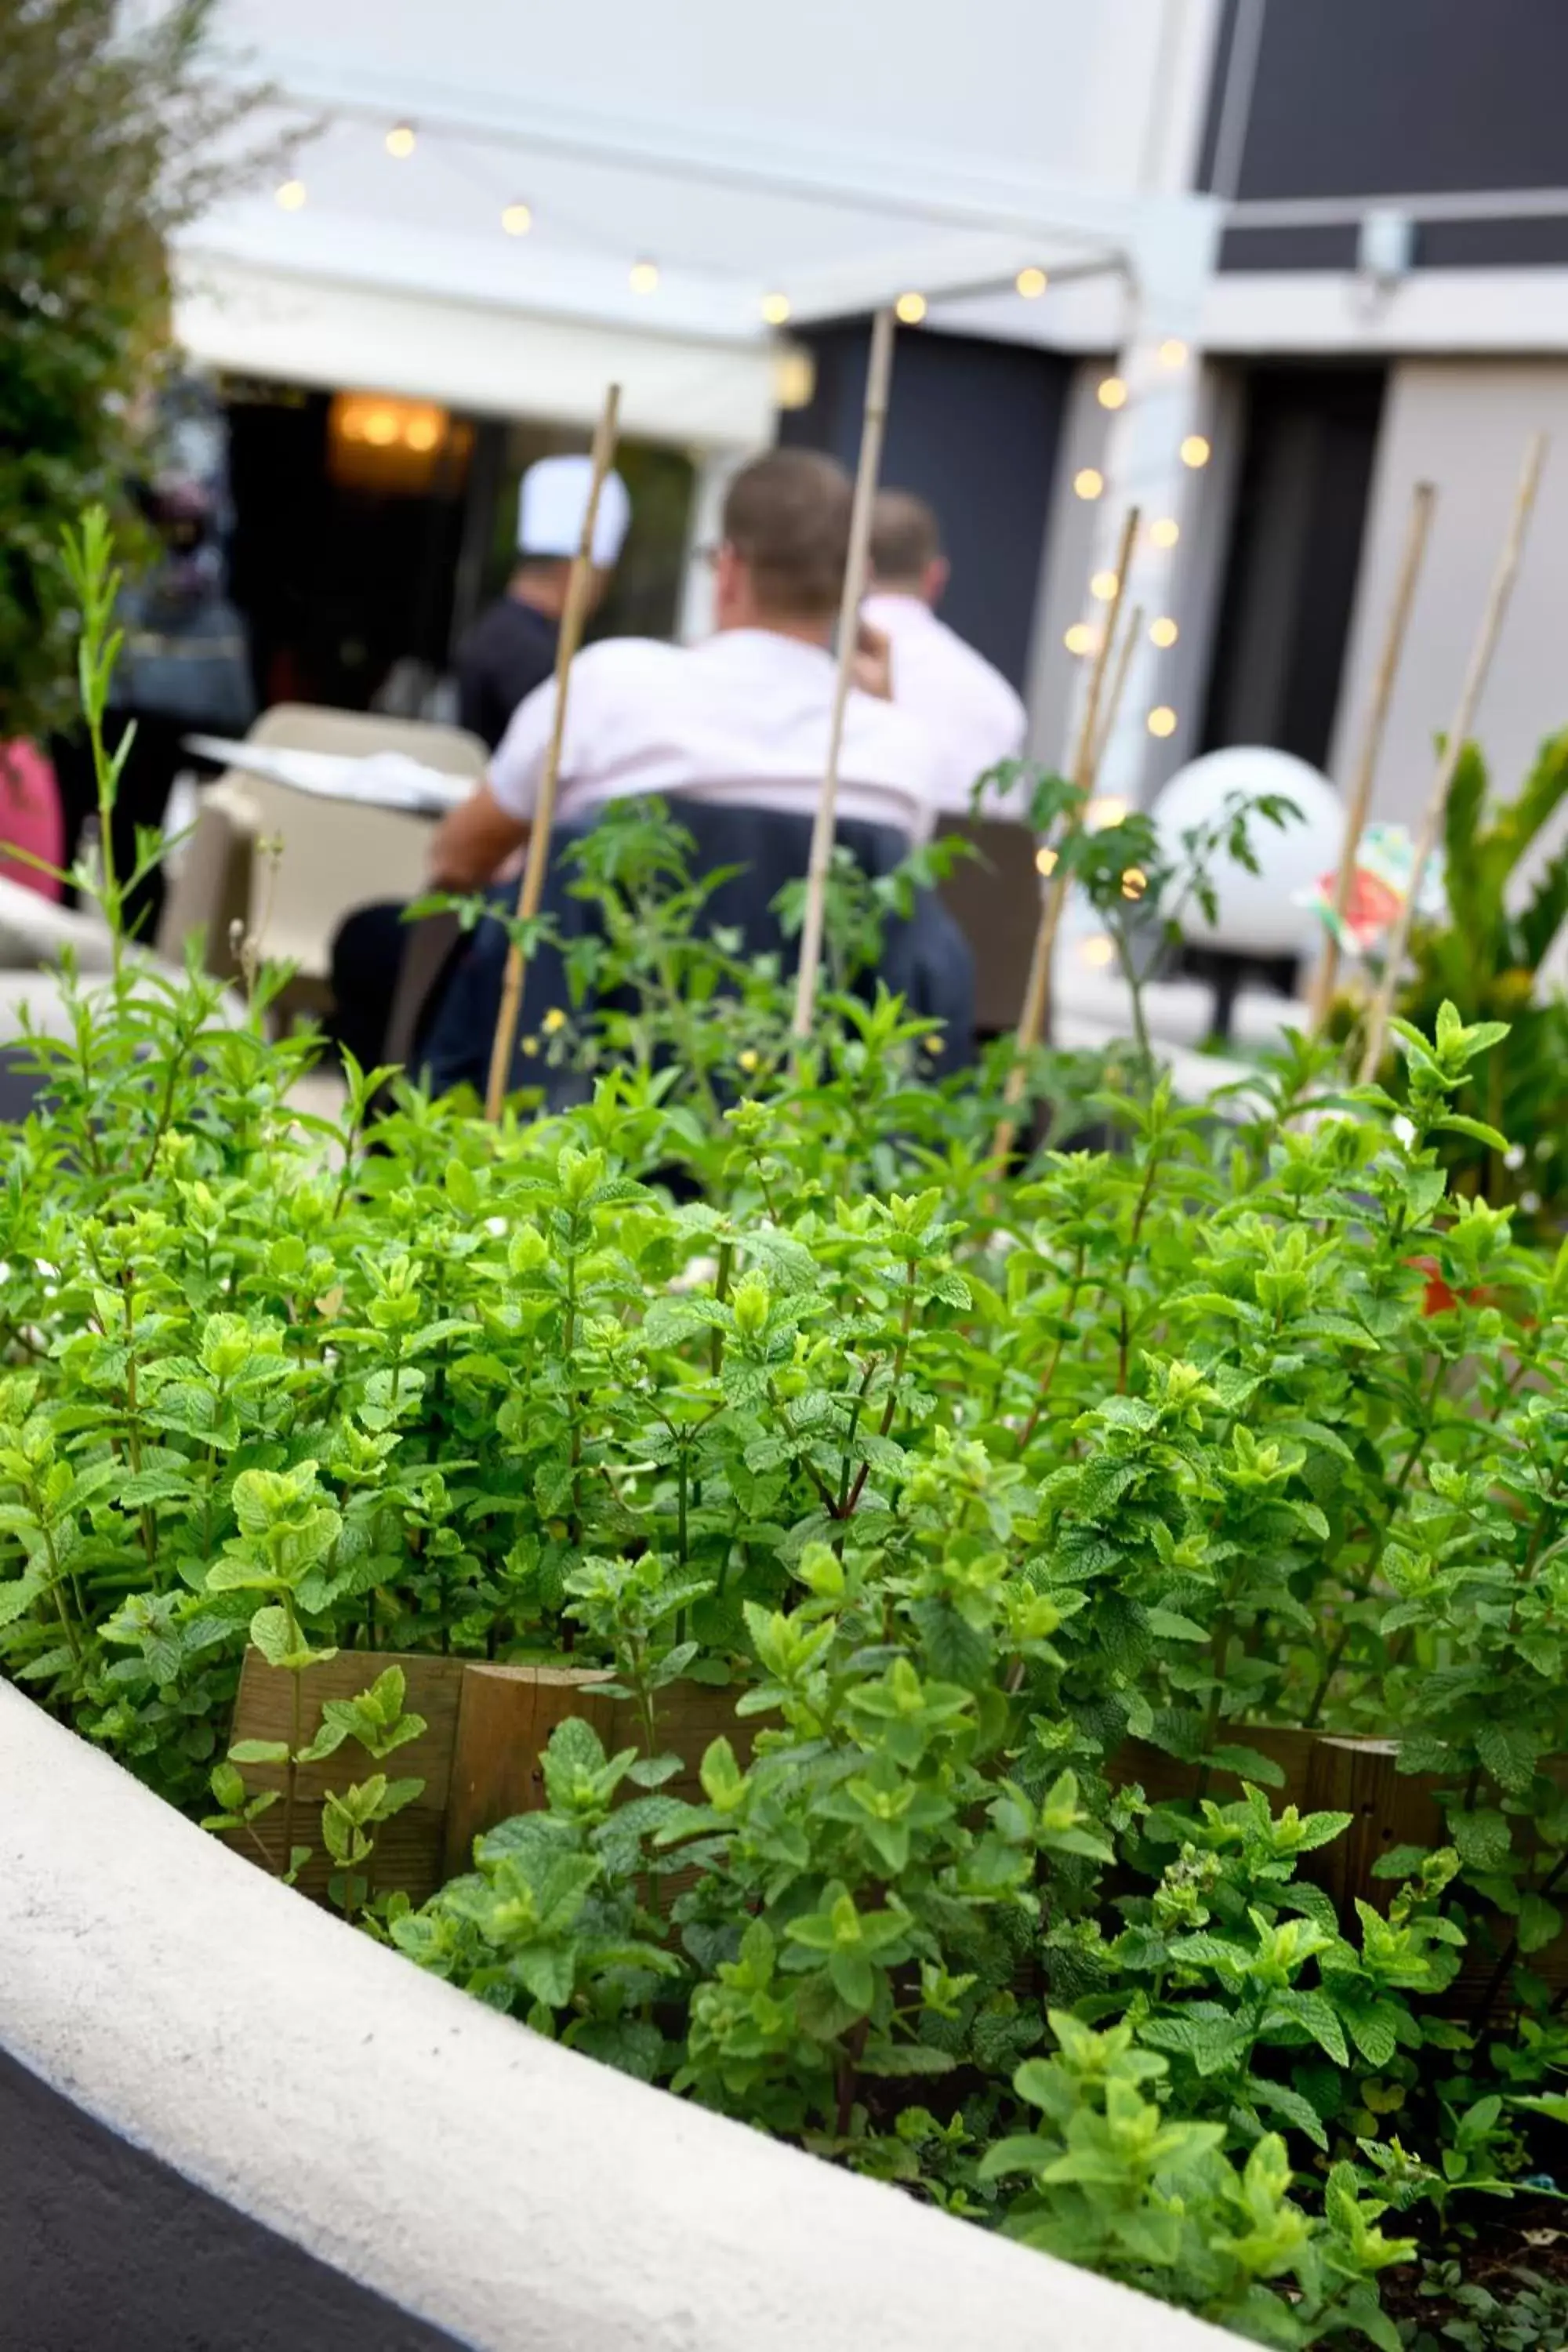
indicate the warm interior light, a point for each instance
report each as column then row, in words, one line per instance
column 517, row 220
column 1112, row 393
column 644, row 277
column 1163, row 632
column 910, row 309
column 1097, row 951
column 1081, row 638
column 1089, row 481
column 1134, row 882
column 381, row 428
column 422, row 432
column 776, row 308
column 291, row 195
column 400, row 140
column 1172, row 353
column 1103, row 585
column 1165, row 532
column 1162, row 719
column 1031, row 283
column 1195, row 450
column 1107, row 809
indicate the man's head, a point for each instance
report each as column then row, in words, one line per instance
column 552, row 504
column 785, row 544
column 906, row 548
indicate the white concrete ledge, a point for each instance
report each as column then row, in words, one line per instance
column 509, row 2191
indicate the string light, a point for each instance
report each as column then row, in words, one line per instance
column 1044, row 861
column 1106, row 810
column 400, row 140
column 291, row 195
column 1162, row 719
column 516, row 219
column 1165, row 532
column 1134, row 882
column 381, row 428
column 1195, row 450
column 643, row 278
column 1081, row 639
column 1172, row 353
column 776, row 308
column 1103, row 586
column 1111, row 393
column 1097, row 951
column 1031, row 284
column 1088, row 482
column 422, row 433
column 1163, row 632
column 910, row 309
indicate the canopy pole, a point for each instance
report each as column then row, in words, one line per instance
column 531, row 887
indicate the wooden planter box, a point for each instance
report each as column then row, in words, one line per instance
column 480, row 1754
column 1327, row 1772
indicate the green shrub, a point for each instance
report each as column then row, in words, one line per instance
column 755, row 1372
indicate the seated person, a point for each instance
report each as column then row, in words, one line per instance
column 737, row 724
column 509, row 650
column 967, row 705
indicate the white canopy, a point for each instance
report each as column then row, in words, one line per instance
column 828, row 160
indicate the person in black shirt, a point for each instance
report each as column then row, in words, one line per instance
column 509, row 651
column 511, row 648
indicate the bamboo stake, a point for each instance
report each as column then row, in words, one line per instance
column 877, row 375
column 1035, row 1020
column 531, row 887
column 1423, row 499
column 1453, row 749
column 1118, row 684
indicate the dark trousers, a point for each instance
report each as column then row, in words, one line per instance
column 926, row 960
column 145, row 780
column 367, row 957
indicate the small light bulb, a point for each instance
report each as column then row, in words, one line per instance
column 776, row 308
column 1044, row 861
column 644, row 278
column 1195, row 450
column 1162, row 719
column 910, row 309
column 291, row 195
column 1031, row 284
column 1097, row 951
column 1106, row 810
column 1163, row 632
column 1165, row 532
column 517, row 220
column 422, row 433
column 1081, row 638
column 381, row 428
column 400, row 140
column 1134, row 882
column 1088, row 482
column 1104, row 586
column 1112, row 393
column 1172, row 353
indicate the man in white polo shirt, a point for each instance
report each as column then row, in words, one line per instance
column 742, row 719
column 967, row 706
column 733, row 732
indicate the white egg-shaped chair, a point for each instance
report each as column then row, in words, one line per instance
column 1257, row 916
